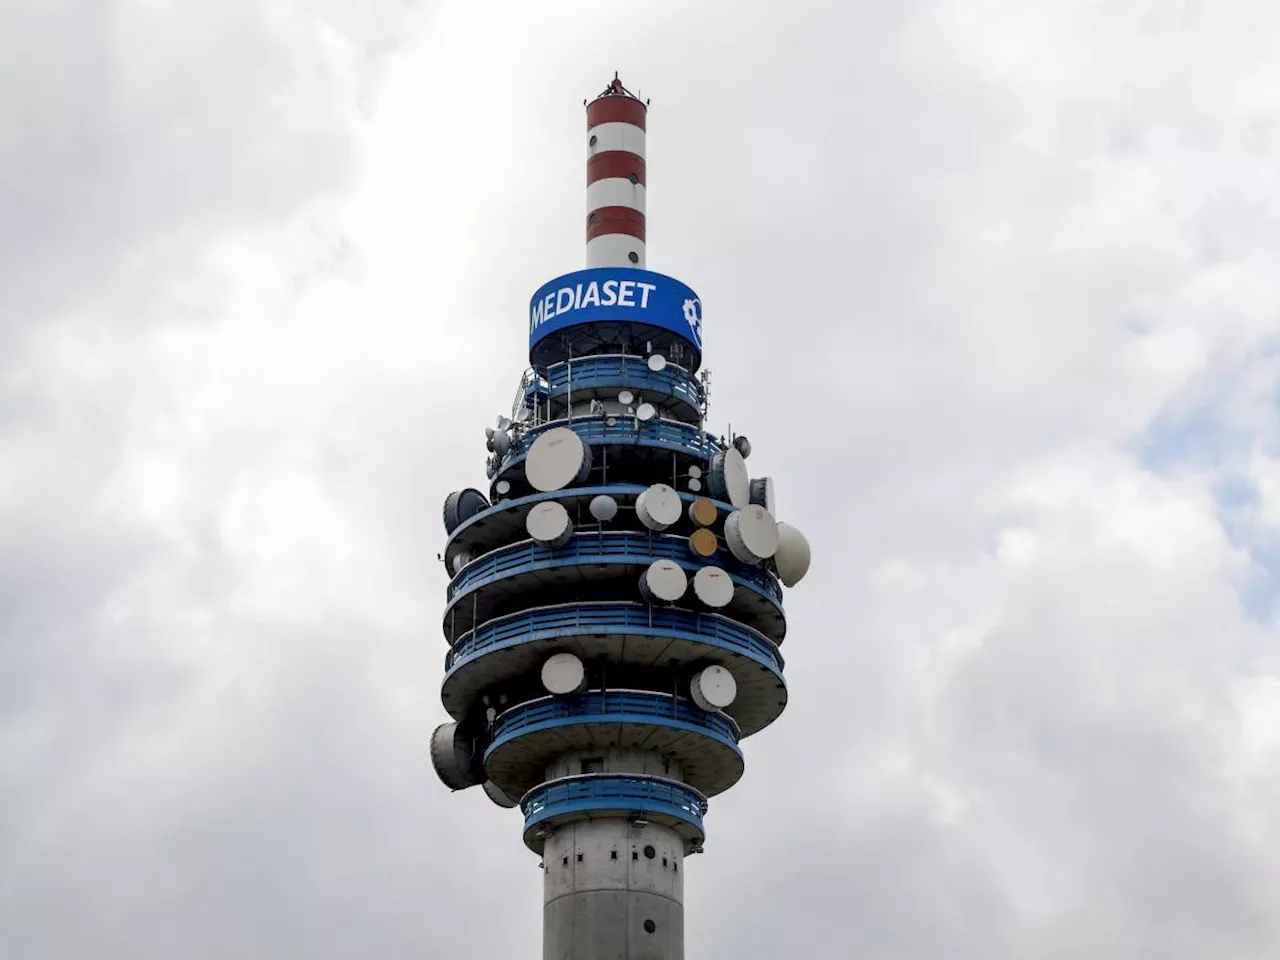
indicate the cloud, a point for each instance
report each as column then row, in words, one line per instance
column 990, row 289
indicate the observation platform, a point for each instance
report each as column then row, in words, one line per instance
column 530, row 735
column 634, row 634
column 504, row 580
column 604, row 376
column 598, row 796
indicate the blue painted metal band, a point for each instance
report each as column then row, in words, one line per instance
column 615, row 294
column 608, row 792
column 635, row 549
column 613, row 706
column 602, row 619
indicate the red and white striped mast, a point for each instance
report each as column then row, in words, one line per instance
column 615, row 178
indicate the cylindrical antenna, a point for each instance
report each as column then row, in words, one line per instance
column 615, row 178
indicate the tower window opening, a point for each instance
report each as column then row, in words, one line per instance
column 592, row 141
column 633, row 257
column 649, row 852
column 634, row 856
column 634, row 179
column 593, row 765
column 613, row 854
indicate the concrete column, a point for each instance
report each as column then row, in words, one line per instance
column 613, row 891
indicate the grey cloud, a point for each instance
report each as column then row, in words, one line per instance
column 922, row 232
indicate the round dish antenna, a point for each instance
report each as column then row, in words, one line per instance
column 752, row 534
column 452, row 758
column 625, row 397
column 563, row 674
column 743, row 446
column 495, row 793
column 557, row 459
column 502, row 487
column 646, row 412
column 695, row 472
column 663, row 581
column 762, row 494
column 603, row 507
column 657, row 362
column 703, row 543
column 694, row 485
column 713, row 688
column 462, row 505
column 658, row 507
column 548, row 523
column 792, row 558
column 728, row 479
column 713, row 586
column 703, row 512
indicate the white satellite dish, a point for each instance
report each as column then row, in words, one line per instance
column 792, row 558
column 603, row 507
column 557, row 458
column 728, row 479
column 523, row 414
column 625, row 397
column 713, row 586
column 695, row 472
column 460, row 560
column 462, row 505
column 548, row 523
column 695, row 486
column 563, row 674
column 502, row 487
column 713, row 688
column 611, row 421
column 657, row 362
column 488, row 434
column 500, row 444
column 752, row 534
column 663, row 581
column 762, row 494
column 658, row 507
column 646, row 412
column 498, row 796
column 504, row 423
column 743, row 446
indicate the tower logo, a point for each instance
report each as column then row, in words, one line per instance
column 693, row 315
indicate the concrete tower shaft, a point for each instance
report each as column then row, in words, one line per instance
column 616, row 179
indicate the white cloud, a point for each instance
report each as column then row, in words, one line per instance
column 262, row 281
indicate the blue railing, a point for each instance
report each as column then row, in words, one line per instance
column 602, row 619
column 638, row 549
column 612, row 706
column 667, row 434
column 616, row 490
column 596, row 793
column 617, row 371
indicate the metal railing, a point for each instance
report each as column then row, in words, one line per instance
column 638, row 549
column 613, row 618
column 604, row 791
column 613, row 370
column 612, row 706
column 669, row 434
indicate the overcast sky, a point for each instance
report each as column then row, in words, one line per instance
column 991, row 286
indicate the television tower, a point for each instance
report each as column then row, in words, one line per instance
column 615, row 613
